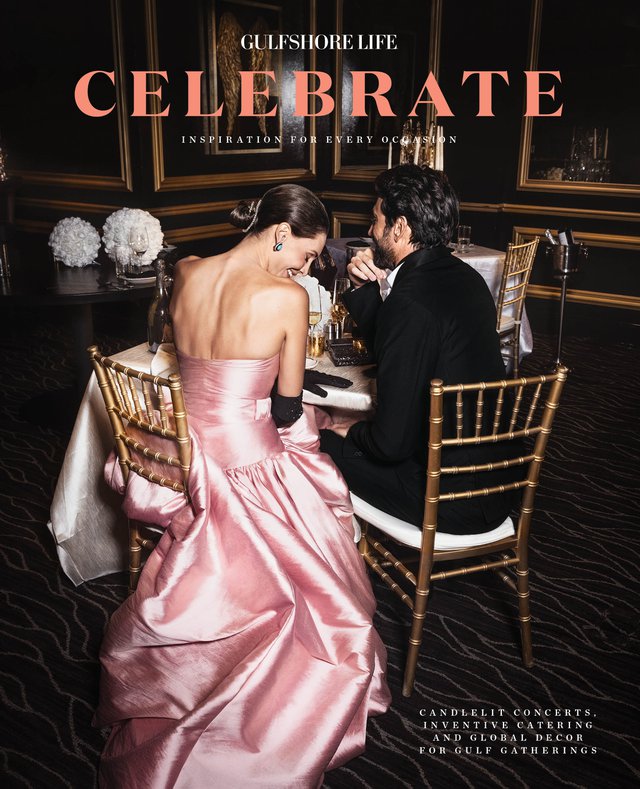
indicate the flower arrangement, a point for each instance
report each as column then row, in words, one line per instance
column 74, row 242
column 313, row 288
column 117, row 227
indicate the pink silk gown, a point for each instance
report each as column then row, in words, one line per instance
column 247, row 656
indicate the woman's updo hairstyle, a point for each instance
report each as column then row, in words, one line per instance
column 289, row 203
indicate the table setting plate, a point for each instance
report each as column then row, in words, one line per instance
column 141, row 280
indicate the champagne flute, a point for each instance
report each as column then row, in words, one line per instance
column 138, row 241
column 314, row 318
column 315, row 314
column 340, row 286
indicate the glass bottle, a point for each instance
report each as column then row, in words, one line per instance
column 159, row 317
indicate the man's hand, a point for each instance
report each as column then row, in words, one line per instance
column 342, row 427
column 362, row 269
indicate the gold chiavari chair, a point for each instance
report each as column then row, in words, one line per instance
column 510, row 304
column 520, row 410
column 151, row 433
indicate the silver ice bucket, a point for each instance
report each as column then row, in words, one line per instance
column 566, row 258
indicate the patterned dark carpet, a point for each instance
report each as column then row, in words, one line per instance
column 579, row 702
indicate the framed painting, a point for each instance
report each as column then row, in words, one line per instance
column 361, row 143
column 592, row 147
column 195, row 152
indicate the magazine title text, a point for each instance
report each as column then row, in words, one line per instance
column 311, row 90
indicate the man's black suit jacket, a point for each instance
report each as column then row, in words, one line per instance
column 439, row 321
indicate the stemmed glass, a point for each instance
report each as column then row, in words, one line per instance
column 138, row 240
column 315, row 316
column 123, row 266
column 340, row 286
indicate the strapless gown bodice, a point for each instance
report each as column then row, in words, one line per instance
column 247, row 656
column 220, row 393
column 224, row 389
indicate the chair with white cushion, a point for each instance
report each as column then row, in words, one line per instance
column 520, row 410
column 510, row 303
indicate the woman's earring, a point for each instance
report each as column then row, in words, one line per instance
column 278, row 246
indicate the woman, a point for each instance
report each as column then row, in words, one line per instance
column 250, row 631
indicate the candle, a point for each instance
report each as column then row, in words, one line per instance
column 439, row 151
column 427, row 129
column 573, row 142
column 606, row 142
column 389, row 157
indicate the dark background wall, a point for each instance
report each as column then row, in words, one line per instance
column 66, row 164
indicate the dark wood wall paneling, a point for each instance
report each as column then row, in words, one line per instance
column 72, row 165
column 484, row 168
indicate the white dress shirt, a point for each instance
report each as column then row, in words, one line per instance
column 387, row 284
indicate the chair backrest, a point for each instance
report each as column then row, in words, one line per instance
column 148, row 420
column 515, row 278
column 522, row 408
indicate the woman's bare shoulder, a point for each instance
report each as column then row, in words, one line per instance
column 192, row 263
column 188, row 259
column 192, row 269
column 287, row 293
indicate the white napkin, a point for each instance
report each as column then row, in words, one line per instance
column 164, row 361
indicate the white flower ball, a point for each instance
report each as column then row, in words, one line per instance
column 74, row 242
column 115, row 233
column 313, row 288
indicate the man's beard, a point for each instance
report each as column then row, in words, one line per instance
column 382, row 256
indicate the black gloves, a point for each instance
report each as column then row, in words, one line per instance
column 285, row 410
column 312, row 378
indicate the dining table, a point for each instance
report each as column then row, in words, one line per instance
column 86, row 522
column 36, row 281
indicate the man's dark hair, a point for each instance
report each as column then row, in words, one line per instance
column 426, row 200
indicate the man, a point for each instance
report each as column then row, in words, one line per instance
column 431, row 317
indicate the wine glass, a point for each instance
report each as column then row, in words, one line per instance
column 340, row 286
column 138, row 241
column 123, row 266
column 315, row 316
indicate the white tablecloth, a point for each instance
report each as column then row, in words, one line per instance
column 87, row 525
column 487, row 262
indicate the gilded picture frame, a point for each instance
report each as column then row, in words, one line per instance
column 216, row 167
column 120, row 177
column 589, row 149
column 345, row 162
